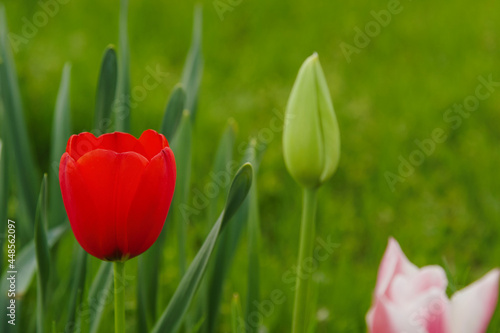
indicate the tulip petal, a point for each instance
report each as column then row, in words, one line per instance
column 75, row 193
column 111, row 180
column 404, row 288
column 393, row 263
column 153, row 143
column 473, row 306
column 378, row 319
column 151, row 202
column 329, row 125
column 79, row 145
column 428, row 313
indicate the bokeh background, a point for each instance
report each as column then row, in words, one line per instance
column 394, row 91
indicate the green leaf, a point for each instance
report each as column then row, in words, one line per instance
column 149, row 263
column 213, row 288
column 61, row 131
column 193, row 68
column 99, row 294
column 4, row 187
column 228, row 245
column 26, row 264
column 221, row 167
column 15, row 133
column 122, row 103
column 173, row 112
column 171, row 318
column 148, row 270
column 181, row 146
column 253, row 225
column 236, row 315
column 42, row 255
column 106, row 91
column 77, row 286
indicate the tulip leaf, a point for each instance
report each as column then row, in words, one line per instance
column 77, row 287
column 106, row 91
column 15, row 133
column 148, row 270
column 42, row 255
column 221, row 169
column 123, row 102
column 99, row 293
column 149, row 263
column 193, row 68
column 171, row 318
column 253, row 225
column 173, row 112
column 4, row 187
column 229, row 242
column 26, row 264
column 236, row 315
column 61, row 131
column 213, row 288
column 181, row 146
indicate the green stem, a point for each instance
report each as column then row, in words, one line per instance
column 119, row 269
column 307, row 234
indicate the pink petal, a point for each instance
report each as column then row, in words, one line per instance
column 473, row 306
column 393, row 263
column 406, row 288
column 428, row 313
column 378, row 319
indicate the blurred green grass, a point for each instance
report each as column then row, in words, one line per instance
column 393, row 92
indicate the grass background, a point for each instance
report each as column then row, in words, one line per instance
column 393, row 92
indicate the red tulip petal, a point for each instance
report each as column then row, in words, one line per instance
column 153, row 143
column 79, row 145
column 78, row 205
column 111, row 180
column 151, row 202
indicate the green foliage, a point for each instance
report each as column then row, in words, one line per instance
column 171, row 318
column 393, row 92
column 253, row 223
column 193, row 68
column 99, row 293
column 173, row 112
column 236, row 315
column 106, row 90
column 123, row 97
column 78, row 276
column 212, row 289
column 181, row 146
column 15, row 132
column 4, row 188
column 61, row 131
column 42, row 255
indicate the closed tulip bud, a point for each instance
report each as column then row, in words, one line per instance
column 311, row 138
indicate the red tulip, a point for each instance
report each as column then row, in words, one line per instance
column 117, row 191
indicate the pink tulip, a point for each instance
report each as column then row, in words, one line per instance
column 409, row 299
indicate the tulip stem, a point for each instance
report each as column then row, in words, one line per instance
column 307, row 234
column 119, row 269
